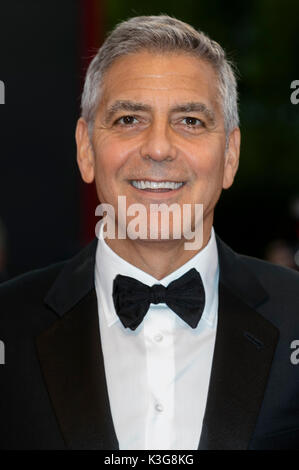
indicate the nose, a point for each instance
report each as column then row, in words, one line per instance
column 158, row 143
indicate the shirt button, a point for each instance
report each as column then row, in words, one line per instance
column 158, row 337
column 159, row 407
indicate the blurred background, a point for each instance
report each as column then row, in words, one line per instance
column 47, row 213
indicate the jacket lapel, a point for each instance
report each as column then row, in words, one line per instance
column 71, row 358
column 244, row 349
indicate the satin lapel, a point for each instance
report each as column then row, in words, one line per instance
column 71, row 359
column 244, row 349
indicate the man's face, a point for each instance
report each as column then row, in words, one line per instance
column 159, row 119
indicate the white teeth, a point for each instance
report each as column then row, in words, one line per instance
column 156, row 184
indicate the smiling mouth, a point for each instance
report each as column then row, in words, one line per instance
column 157, row 186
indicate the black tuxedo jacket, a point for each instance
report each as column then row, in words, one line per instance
column 53, row 392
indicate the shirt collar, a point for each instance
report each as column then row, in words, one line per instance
column 109, row 264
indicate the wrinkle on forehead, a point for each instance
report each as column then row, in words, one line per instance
column 144, row 80
column 136, row 76
column 152, row 65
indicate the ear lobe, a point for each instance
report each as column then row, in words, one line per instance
column 231, row 158
column 85, row 157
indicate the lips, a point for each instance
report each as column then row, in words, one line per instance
column 157, row 186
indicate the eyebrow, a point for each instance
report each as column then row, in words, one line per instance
column 132, row 106
column 125, row 105
column 195, row 107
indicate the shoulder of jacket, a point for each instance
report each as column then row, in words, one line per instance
column 272, row 276
column 34, row 281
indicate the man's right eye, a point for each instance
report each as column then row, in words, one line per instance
column 126, row 120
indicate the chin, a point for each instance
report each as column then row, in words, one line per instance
column 155, row 233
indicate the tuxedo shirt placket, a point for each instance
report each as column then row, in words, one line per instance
column 157, row 375
column 158, row 330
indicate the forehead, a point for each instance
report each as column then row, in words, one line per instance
column 153, row 77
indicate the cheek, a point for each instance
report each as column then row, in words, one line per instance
column 110, row 157
column 208, row 166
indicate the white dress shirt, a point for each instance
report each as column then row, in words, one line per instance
column 157, row 375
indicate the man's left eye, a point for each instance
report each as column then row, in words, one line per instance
column 192, row 121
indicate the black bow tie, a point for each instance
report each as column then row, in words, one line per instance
column 185, row 296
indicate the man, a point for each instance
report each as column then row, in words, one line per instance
column 138, row 342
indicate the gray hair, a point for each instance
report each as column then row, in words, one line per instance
column 160, row 34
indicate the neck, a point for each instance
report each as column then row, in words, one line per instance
column 157, row 258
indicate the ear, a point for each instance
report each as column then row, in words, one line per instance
column 85, row 156
column 231, row 158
